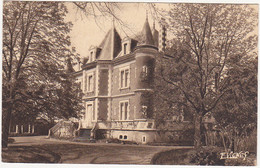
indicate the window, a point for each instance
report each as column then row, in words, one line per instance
column 144, row 139
column 91, row 56
column 89, row 83
column 124, row 78
column 89, row 111
column 120, row 136
column 145, row 70
column 125, row 137
column 124, row 110
column 125, row 45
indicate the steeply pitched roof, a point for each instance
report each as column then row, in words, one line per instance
column 111, row 45
column 155, row 35
column 147, row 37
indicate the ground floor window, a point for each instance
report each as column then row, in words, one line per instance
column 143, row 139
column 124, row 110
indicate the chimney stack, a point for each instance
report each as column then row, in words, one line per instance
column 162, row 36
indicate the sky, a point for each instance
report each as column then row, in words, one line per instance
column 87, row 32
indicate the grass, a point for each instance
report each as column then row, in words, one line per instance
column 78, row 153
column 172, row 157
column 29, row 154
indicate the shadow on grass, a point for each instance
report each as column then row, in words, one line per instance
column 172, row 157
column 29, row 154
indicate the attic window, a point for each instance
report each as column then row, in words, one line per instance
column 91, row 56
column 125, row 45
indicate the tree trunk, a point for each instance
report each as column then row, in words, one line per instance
column 197, row 129
column 6, row 114
column 223, row 140
column 206, row 138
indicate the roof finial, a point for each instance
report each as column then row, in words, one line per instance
column 153, row 25
column 113, row 22
column 146, row 14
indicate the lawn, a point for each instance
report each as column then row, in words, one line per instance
column 81, row 153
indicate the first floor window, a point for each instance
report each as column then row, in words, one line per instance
column 89, row 83
column 124, row 78
column 124, row 110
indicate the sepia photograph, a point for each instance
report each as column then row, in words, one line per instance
column 129, row 83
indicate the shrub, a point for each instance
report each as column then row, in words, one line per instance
column 113, row 140
column 207, row 156
column 11, row 140
column 243, row 145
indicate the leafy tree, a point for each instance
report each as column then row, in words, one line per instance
column 209, row 37
column 236, row 113
column 35, row 47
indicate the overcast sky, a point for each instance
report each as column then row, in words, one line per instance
column 87, row 32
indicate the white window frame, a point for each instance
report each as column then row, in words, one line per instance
column 126, row 83
column 126, row 46
column 88, row 88
column 122, row 113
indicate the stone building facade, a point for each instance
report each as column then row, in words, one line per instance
column 116, row 79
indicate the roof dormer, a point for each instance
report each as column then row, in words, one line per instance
column 128, row 45
column 93, row 53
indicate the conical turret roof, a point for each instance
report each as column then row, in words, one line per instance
column 147, row 37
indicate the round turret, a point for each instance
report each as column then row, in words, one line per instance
column 145, row 54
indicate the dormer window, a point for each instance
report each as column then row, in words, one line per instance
column 125, row 49
column 91, row 56
column 126, row 46
column 94, row 53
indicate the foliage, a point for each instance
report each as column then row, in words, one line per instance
column 35, row 47
column 207, row 156
column 208, row 39
column 237, row 112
